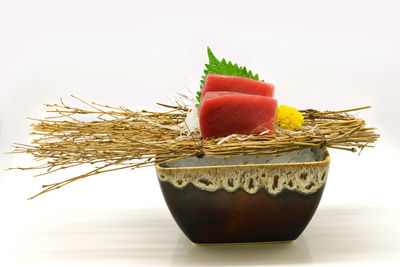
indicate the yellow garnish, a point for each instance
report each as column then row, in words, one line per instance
column 289, row 118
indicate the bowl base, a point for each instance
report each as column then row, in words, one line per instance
column 237, row 217
column 244, row 243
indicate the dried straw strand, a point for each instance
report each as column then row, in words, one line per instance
column 121, row 138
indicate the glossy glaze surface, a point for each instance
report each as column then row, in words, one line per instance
column 244, row 203
column 224, row 217
column 302, row 177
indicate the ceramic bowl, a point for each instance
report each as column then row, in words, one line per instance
column 258, row 202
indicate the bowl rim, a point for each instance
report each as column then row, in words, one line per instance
column 325, row 152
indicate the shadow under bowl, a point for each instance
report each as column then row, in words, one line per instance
column 244, row 203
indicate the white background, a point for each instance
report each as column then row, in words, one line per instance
column 319, row 54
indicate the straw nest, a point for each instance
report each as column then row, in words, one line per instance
column 118, row 138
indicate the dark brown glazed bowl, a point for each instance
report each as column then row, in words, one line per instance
column 244, row 203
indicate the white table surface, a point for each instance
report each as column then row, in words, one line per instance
column 127, row 223
column 140, row 237
column 149, row 237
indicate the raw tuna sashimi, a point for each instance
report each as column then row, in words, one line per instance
column 223, row 113
column 216, row 82
column 211, row 95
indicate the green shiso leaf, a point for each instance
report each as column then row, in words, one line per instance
column 224, row 68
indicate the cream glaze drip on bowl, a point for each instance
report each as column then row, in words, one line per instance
column 304, row 172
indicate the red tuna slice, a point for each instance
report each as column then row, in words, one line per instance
column 223, row 113
column 211, row 95
column 216, row 82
